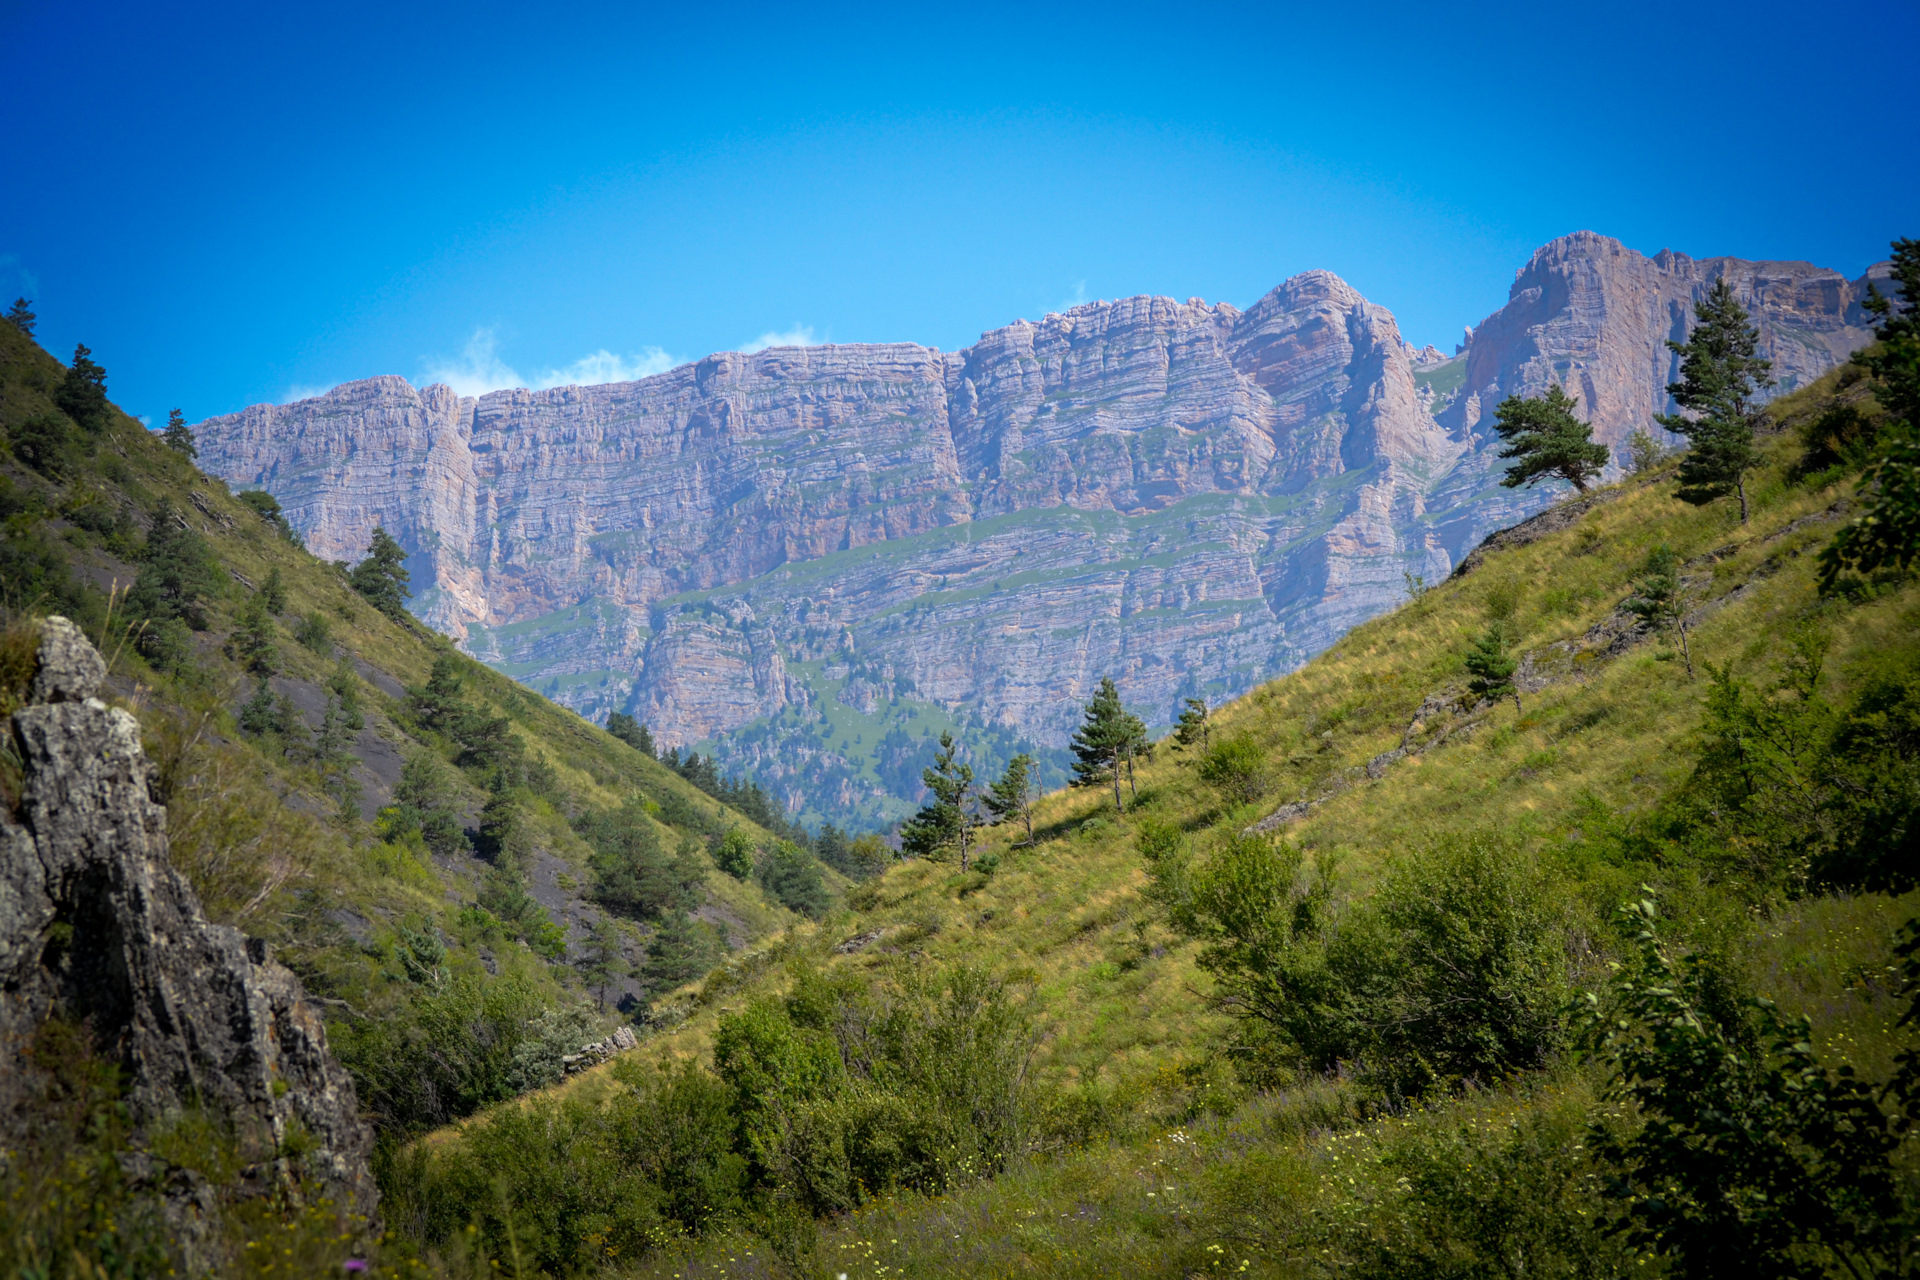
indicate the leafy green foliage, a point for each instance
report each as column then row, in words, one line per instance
column 1790, row 792
column 1547, row 441
column 1238, row 767
column 436, row 1052
column 734, row 854
column 382, row 577
column 845, row 1092
column 1643, row 451
column 1720, row 373
column 1751, row 1157
column 1454, row 971
column 44, row 443
column 20, row 315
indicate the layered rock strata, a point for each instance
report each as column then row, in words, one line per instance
column 98, row 929
column 1190, row 498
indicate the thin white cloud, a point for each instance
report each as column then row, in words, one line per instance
column 300, row 391
column 1079, row 297
column 480, row 368
column 801, row 335
column 605, row 366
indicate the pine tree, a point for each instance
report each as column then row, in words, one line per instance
column 382, row 576
column 600, row 960
column 274, row 591
column 20, row 315
column 260, row 715
column 630, row 731
column 1547, row 441
column 1660, row 601
column 438, row 704
column 679, row 951
column 505, row 839
column 1011, row 798
column 1105, row 737
column 253, row 643
column 949, row 818
column 1720, row 372
column 1886, row 533
column 177, row 573
column 1490, row 668
column 82, row 393
column 178, row 437
column 1192, row 725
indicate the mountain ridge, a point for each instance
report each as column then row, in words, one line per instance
column 1279, row 475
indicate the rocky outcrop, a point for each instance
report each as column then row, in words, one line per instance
column 1184, row 496
column 97, row 929
column 1595, row 316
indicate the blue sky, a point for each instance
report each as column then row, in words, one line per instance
column 233, row 203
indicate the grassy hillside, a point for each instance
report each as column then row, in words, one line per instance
column 1164, row 1132
column 474, row 881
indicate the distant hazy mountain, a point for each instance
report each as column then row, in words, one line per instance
column 811, row 560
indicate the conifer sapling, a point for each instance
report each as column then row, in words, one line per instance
column 1491, row 669
column 1011, row 798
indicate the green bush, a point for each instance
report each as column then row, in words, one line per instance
column 1237, row 766
column 1454, row 971
column 734, row 854
column 791, row 875
column 430, row 1054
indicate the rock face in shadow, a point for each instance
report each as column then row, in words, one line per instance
column 1189, row 498
column 97, row 928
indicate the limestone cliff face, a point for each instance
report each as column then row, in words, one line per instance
column 1595, row 316
column 1187, row 497
column 96, row 927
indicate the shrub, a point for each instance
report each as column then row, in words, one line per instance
column 1750, row 1157
column 790, row 874
column 1454, row 971
column 734, row 855
column 430, row 1056
column 43, row 443
column 1237, row 766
